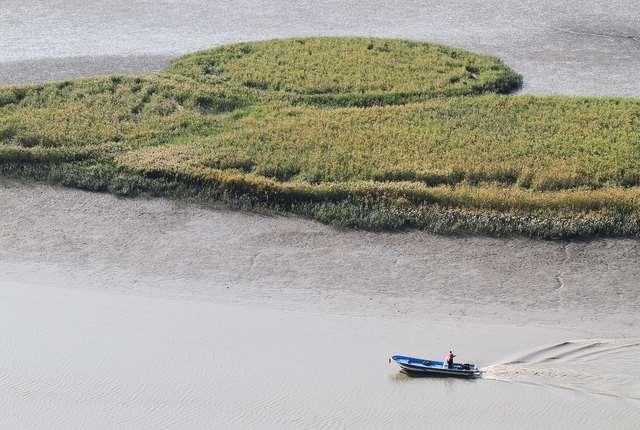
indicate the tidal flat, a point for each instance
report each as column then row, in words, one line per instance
column 148, row 313
column 152, row 313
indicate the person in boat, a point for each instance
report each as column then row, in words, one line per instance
column 449, row 359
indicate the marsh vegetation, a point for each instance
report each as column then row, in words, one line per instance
column 358, row 132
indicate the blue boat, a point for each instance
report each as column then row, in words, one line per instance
column 420, row 366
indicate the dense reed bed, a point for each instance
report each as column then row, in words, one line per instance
column 542, row 143
column 351, row 71
column 264, row 125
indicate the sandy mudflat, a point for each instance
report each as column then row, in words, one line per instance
column 171, row 248
column 583, row 47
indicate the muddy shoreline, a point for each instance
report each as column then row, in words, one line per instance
column 225, row 256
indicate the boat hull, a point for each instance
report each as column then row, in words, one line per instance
column 421, row 367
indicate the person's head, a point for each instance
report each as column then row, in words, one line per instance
column 450, row 352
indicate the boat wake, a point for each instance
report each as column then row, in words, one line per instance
column 602, row 367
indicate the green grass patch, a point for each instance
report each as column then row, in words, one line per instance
column 542, row 143
column 356, row 132
column 351, row 71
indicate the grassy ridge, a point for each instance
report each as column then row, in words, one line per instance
column 241, row 125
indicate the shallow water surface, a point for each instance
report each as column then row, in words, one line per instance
column 112, row 360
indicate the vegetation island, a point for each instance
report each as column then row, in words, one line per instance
column 364, row 133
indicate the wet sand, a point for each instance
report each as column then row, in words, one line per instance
column 160, row 314
column 582, row 47
column 176, row 249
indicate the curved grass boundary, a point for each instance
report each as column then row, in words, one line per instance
column 494, row 197
column 560, row 215
column 334, row 71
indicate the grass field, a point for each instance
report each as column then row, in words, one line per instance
column 539, row 143
column 365, row 133
column 350, row 71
